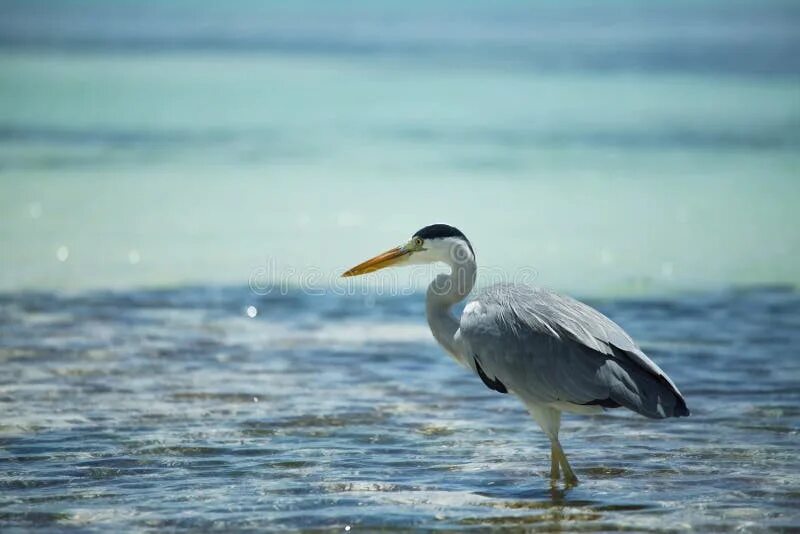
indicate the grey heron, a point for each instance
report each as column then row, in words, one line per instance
column 554, row 353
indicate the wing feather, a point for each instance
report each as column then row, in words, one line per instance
column 550, row 348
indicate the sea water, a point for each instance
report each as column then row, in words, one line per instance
column 181, row 183
column 203, row 409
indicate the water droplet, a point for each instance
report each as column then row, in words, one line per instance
column 304, row 220
column 347, row 528
column 252, row 311
column 62, row 253
column 347, row 219
column 255, row 399
column 35, row 210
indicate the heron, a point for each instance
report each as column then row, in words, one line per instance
column 555, row 353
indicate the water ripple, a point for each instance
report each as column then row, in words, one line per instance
column 171, row 410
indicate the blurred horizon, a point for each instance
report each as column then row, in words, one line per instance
column 620, row 148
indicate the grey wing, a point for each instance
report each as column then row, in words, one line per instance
column 552, row 349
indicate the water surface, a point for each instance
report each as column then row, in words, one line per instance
column 174, row 409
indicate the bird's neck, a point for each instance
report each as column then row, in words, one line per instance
column 444, row 292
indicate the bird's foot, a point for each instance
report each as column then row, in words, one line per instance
column 570, row 480
column 559, row 459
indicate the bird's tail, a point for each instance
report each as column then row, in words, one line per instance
column 647, row 393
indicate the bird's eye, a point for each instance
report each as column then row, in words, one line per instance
column 418, row 241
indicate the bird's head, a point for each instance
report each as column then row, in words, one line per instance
column 434, row 243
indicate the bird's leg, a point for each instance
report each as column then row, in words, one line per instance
column 555, row 472
column 569, row 475
column 550, row 421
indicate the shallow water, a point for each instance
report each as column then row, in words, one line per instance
column 173, row 409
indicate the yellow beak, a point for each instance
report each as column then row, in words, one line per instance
column 381, row 261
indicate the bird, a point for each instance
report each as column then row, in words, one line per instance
column 555, row 353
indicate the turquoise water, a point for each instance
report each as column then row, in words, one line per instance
column 624, row 149
column 181, row 184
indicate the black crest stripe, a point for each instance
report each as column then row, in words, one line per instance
column 442, row 231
